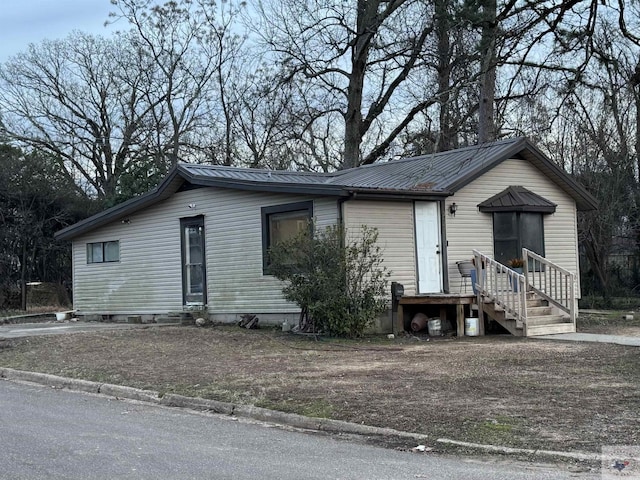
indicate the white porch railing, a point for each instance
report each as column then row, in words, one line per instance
column 508, row 289
column 503, row 286
column 551, row 282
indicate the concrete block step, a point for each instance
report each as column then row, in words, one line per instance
column 168, row 319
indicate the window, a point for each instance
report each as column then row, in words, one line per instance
column 103, row 252
column 282, row 222
column 513, row 231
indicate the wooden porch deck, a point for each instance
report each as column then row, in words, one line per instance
column 459, row 300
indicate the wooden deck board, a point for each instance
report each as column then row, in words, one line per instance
column 439, row 299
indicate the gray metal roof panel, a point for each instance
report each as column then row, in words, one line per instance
column 437, row 172
column 252, row 174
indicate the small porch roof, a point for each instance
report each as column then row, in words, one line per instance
column 517, row 199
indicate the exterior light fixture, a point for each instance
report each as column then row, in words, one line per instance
column 453, row 208
column 192, row 205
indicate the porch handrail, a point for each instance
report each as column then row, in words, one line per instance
column 552, row 282
column 501, row 285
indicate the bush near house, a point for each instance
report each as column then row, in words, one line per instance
column 336, row 278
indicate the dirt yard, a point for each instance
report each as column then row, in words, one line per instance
column 609, row 322
column 497, row 390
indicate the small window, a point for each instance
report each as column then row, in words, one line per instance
column 102, row 252
column 513, row 231
column 282, row 222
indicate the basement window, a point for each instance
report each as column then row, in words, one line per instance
column 103, row 252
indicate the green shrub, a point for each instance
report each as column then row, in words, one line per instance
column 336, row 278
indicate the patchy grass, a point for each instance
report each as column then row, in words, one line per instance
column 611, row 322
column 502, row 390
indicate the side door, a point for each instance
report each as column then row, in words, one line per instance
column 194, row 275
column 429, row 258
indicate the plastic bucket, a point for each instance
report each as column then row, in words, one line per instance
column 471, row 327
column 435, row 327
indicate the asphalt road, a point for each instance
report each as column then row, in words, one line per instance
column 56, row 434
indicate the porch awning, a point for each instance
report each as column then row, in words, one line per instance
column 517, row 199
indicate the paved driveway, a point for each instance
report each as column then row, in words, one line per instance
column 35, row 329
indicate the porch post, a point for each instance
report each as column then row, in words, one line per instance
column 480, row 281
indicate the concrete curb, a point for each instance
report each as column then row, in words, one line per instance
column 50, row 380
column 196, row 403
column 130, row 393
column 261, row 414
column 527, row 451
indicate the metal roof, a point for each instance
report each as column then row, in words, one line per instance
column 437, row 172
column 251, row 174
column 517, row 199
column 426, row 176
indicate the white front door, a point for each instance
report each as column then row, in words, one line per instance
column 427, row 217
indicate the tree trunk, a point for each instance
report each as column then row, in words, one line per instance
column 486, row 107
column 367, row 11
column 445, row 134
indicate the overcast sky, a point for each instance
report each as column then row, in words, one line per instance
column 29, row 21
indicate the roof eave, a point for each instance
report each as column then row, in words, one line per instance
column 584, row 200
column 519, row 208
column 165, row 188
column 261, row 186
column 373, row 194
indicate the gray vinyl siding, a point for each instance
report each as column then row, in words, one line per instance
column 471, row 229
column 395, row 224
column 148, row 277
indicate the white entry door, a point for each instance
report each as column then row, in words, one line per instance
column 427, row 217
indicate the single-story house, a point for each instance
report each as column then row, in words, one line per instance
column 200, row 238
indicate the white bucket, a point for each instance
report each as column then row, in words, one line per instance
column 435, row 327
column 471, row 327
column 63, row 316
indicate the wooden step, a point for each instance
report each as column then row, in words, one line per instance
column 567, row 327
column 537, row 302
column 539, row 310
column 546, row 319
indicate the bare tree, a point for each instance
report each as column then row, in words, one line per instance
column 362, row 54
column 195, row 52
column 85, row 100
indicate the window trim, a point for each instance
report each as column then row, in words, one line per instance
column 265, row 214
column 89, row 251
